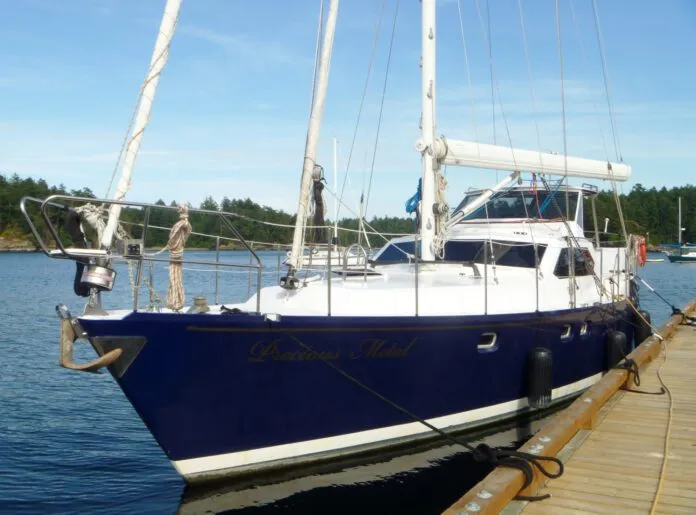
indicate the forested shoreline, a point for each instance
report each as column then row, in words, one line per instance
column 647, row 211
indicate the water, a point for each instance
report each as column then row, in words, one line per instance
column 70, row 442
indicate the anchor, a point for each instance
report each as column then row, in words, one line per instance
column 68, row 335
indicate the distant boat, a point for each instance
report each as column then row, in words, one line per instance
column 655, row 260
column 676, row 245
column 683, row 257
column 685, row 253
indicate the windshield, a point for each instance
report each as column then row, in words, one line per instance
column 523, row 204
column 503, row 253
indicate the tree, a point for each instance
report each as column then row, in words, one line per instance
column 646, row 210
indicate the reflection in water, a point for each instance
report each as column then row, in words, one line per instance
column 424, row 481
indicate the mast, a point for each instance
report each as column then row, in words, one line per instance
column 315, row 118
column 147, row 96
column 429, row 159
column 679, row 228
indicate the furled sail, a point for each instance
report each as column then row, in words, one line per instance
column 147, row 97
column 315, row 118
column 498, row 157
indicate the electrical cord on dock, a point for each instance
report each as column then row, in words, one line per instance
column 665, row 449
column 687, row 320
column 483, row 453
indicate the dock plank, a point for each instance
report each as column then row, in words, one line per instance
column 618, row 465
column 614, row 460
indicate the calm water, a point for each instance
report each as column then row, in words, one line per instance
column 70, row 442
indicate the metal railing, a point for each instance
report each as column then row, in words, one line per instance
column 345, row 256
column 111, row 255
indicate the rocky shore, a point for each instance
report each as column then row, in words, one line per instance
column 16, row 245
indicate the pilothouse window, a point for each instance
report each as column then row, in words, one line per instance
column 583, row 263
column 510, row 253
column 524, row 204
column 502, row 253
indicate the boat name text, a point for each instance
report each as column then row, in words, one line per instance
column 285, row 350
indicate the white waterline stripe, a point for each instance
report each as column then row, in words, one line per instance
column 194, row 466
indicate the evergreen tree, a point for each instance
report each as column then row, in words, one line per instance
column 646, row 211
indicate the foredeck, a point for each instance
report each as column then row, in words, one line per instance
column 614, row 453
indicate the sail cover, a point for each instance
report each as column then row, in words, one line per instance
column 498, row 157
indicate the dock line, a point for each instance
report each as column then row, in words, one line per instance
column 501, row 486
column 675, row 310
column 525, row 462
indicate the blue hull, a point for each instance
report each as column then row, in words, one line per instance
column 676, row 258
column 213, row 385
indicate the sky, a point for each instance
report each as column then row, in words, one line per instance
column 230, row 115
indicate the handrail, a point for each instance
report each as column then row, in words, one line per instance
column 32, row 227
column 354, row 251
column 65, row 252
column 138, row 275
column 345, row 259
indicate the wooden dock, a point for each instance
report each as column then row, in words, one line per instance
column 613, row 443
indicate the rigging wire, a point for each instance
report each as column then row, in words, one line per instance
column 583, row 52
column 497, row 85
column 490, row 61
column 563, row 108
column 605, row 75
column 612, row 118
column 531, row 81
column 486, row 37
column 375, row 232
column 468, row 74
column 375, row 40
column 381, row 108
column 538, row 135
column 127, row 136
column 571, row 250
column 271, row 224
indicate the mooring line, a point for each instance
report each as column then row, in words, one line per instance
column 522, row 461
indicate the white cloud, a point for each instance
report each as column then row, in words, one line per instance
column 260, row 155
column 255, row 52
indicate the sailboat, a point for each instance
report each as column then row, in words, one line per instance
column 497, row 309
column 683, row 253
